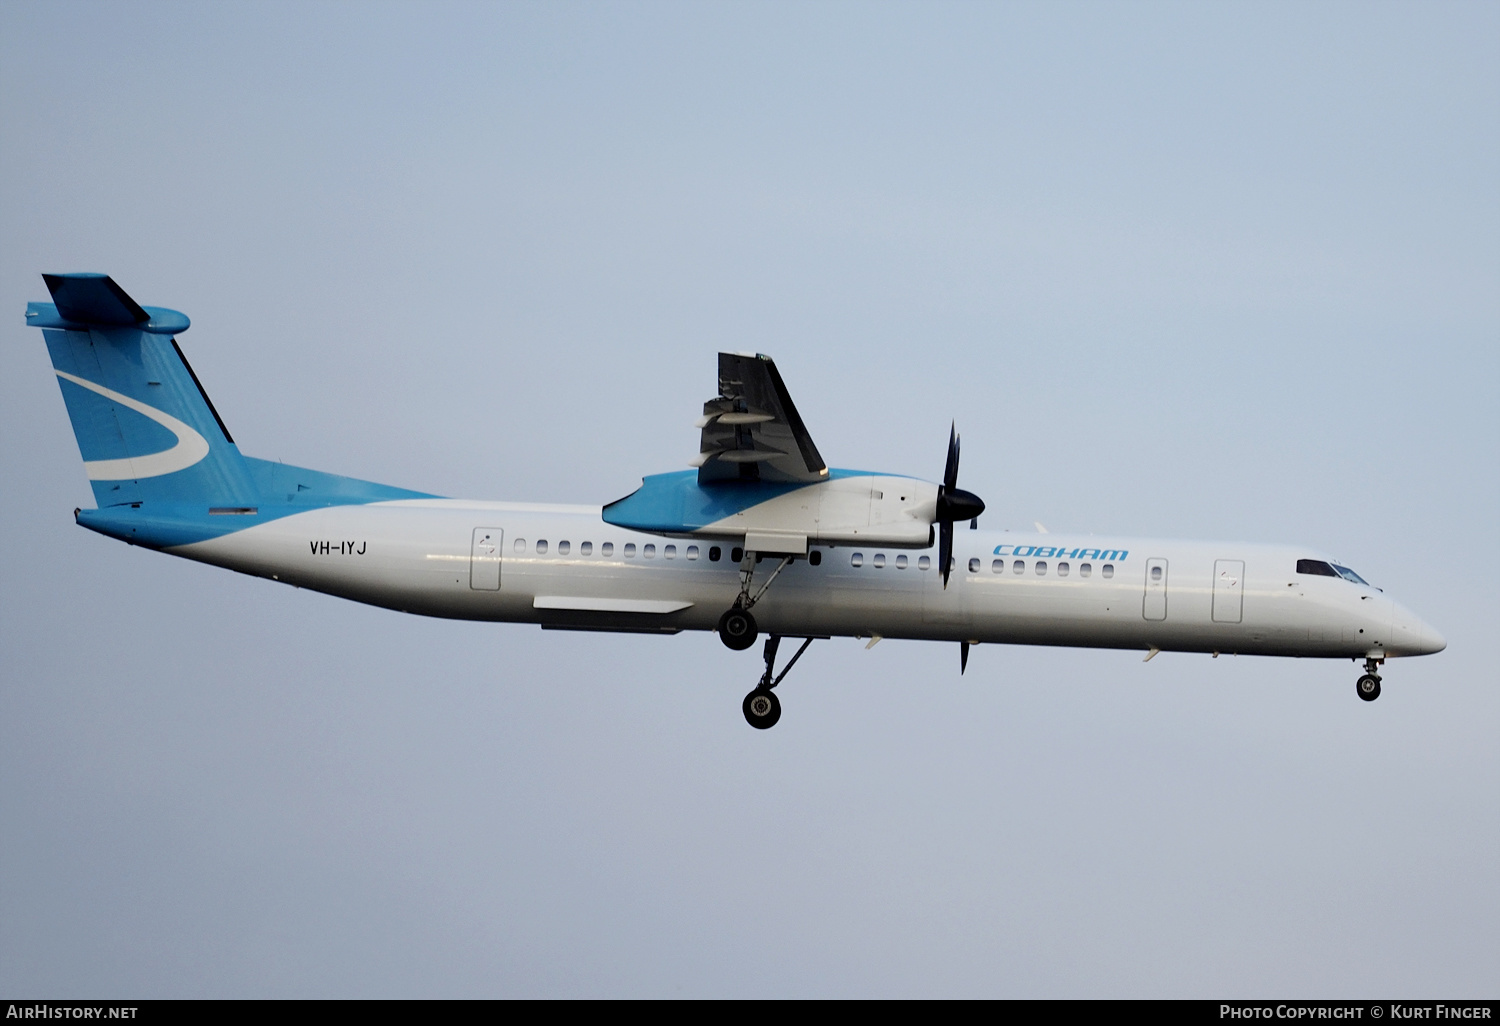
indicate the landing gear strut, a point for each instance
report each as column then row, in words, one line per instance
column 1368, row 686
column 762, row 707
column 737, row 627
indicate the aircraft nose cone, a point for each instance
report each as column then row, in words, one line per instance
column 1411, row 635
column 1432, row 641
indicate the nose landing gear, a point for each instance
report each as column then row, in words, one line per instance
column 1368, row 686
column 762, row 708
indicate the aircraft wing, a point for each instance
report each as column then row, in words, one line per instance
column 751, row 429
column 760, row 478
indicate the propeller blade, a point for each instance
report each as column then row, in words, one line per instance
column 963, row 657
column 950, row 472
column 953, row 503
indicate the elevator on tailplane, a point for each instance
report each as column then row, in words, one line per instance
column 759, row 536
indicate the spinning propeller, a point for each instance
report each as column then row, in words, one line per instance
column 953, row 503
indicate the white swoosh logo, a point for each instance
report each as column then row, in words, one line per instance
column 190, row 448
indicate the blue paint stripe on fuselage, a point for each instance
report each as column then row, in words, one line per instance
column 282, row 490
column 161, row 526
column 677, row 502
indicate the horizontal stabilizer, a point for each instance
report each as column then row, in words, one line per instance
column 80, row 301
column 93, row 299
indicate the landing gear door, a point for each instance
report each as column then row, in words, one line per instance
column 1155, row 605
column 484, row 559
column 1229, row 590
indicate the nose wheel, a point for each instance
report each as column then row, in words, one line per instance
column 1368, row 686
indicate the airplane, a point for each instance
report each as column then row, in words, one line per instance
column 758, row 535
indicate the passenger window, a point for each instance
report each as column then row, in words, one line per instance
column 541, row 547
column 974, row 566
column 1062, row 569
column 815, row 557
column 714, row 553
column 1108, row 570
column 736, row 555
column 1019, row 566
column 998, row 566
column 563, row 548
column 858, row 559
column 648, row 551
column 1041, row 568
column 520, row 545
column 900, row 562
column 1084, row 569
column 607, row 549
column 668, row 551
column 924, row 563
column 880, row 561
column 692, row 552
column 586, row 549
column 630, row 550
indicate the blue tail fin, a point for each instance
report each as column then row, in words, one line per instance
column 145, row 427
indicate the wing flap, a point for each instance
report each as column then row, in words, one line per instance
column 752, row 431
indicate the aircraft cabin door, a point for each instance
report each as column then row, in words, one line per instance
column 484, row 559
column 1229, row 590
column 1155, row 605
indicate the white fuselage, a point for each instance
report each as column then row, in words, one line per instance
column 484, row 561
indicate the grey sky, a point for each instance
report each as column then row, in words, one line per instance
column 1208, row 270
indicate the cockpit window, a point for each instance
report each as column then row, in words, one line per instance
column 1350, row 575
column 1321, row 569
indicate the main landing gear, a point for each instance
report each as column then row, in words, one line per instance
column 1368, row 686
column 737, row 627
column 762, row 707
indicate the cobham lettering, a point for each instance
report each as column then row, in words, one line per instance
column 1058, row 552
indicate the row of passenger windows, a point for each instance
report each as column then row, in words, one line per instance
column 607, row 549
column 647, row 551
column 1039, row 567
